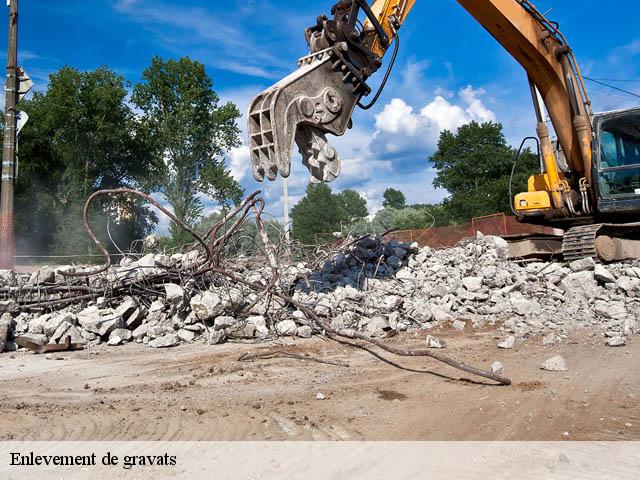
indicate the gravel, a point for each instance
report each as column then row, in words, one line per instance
column 372, row 287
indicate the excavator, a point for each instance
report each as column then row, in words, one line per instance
column 588, row 188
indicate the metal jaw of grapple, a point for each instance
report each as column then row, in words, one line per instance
column 316, row 99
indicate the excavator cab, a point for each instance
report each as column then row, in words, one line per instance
column 617, row 161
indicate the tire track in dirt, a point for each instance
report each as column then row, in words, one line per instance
column 203, row 393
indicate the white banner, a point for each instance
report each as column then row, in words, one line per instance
column 320, row 460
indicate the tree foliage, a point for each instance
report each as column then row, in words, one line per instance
column 474, row 165
column 81, row 137
column 394, row 199
column 409, row 218
column 321, row 213
column 189, row 131
column 353, row 204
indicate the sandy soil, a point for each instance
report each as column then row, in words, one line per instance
column 198, row 392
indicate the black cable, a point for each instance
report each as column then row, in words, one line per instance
column 611, row 86
column 616, row 80
column 386, row 77
column 513, row 169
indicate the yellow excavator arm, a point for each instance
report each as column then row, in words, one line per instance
column 390, row 14
column 331, row 82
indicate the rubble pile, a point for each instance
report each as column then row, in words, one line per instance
column 475, row 283
column 372, row 287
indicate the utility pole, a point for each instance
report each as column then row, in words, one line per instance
column 7, row 238
column 285, row 201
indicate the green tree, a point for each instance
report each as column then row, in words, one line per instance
column 412, row 218
column 81, row 137
column 438, row 214
column 394, row 199
column 353, row 204
column 319, row 212
column 408, row 218
column 190, row 132
column 474, row 165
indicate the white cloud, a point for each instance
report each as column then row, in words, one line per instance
column 399, row 128
column 239, row 160
column 397, row 117
column 475, row 108
column 440, row 114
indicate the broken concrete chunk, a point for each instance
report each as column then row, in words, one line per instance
column 216, row 337
column 433, row 342
column 554, row 364
column 186, row 335
column 7, row 278
column 175, row 293
column 499, row 244
column 603, row 274
column 119, row 336
column 473, row 284
column 53, row 323
column 242, row 329
column 74, row 334
column 579, row 282
column 497, row 368
column 610, row 309
column 232, row 300
column 305, row 331
column 167, row 341
column 5, row 329
column 440, row 315
column 508, row 343
column 260, row 323
column 628, row 284
column 131, row 312
column 36, row 338
column 148, row 261
column 459, row 325
column 616, row 341
column 207, row 305
column 524, row 307
column 89, row 337
column 583, row 264
column 630, row 326
column 378, row 326
column 100, row 322
column 286, row 328
column 141, row 331
column 44, row 275
column 151, row 242
column 9, row 306
column 60, row 333
column 156, row 331
column 223, row 322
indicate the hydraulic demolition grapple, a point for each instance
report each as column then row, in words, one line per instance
column 320, row 96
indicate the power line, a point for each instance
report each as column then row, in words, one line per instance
column 616, row 80
column 611, row 86
column 602, row 93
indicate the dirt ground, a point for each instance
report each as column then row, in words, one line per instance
column 198, row 392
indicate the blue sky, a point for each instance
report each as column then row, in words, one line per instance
column 449, row 71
